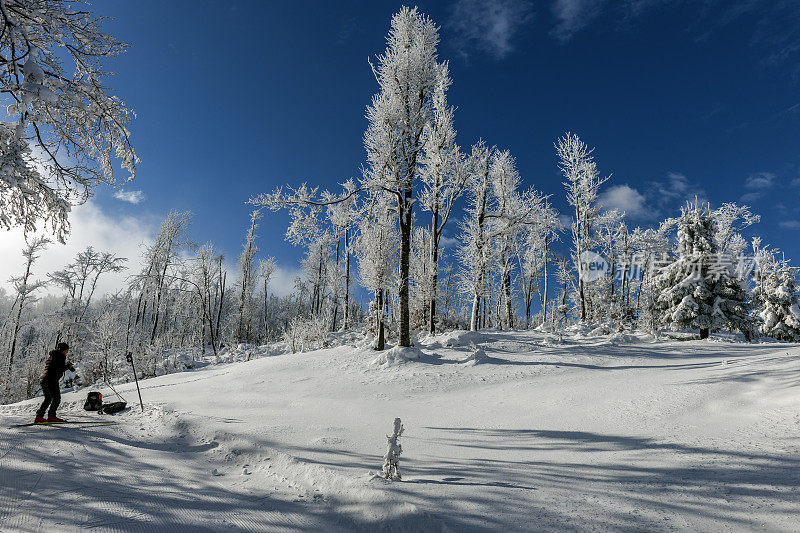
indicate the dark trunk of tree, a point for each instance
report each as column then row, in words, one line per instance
column 404, row 325
column 347, row 278
column 704, row 333
column 379, row 345
column 509, row 311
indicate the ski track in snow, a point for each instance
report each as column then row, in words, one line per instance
column 592, row 433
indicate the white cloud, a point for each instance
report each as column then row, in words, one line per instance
column 790, row 224
column 574, row 15
column 760, row 180
column 677, row 187
column 489, row 25
column 565, row 221
column 132, row 197
column 448, row 242
column 751, row 196
column 282, row 281
column 795, row 182
column 625, row 198
column 90, row 226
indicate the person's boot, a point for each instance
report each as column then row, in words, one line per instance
column 39, row 419
column 53, row 418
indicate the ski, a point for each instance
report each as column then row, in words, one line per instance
column 65, row 422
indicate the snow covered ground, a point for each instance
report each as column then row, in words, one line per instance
column 595, row 433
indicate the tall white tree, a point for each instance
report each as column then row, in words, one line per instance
column 247, row 280
column 408, row 73
column 443, row 177
column 343, row 215
column 475, row 253
column 79, row 280
column 24, row 288
column 583, row 181
column 376, row 249
column 532, row 249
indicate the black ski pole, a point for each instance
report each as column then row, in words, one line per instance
column 129, row 357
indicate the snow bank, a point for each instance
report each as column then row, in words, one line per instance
column 397, row 356
column 477, row 357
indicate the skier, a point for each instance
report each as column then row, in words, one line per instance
column 54, row 368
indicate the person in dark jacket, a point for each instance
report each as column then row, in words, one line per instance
column 54, row 368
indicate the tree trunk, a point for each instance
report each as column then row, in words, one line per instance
column 266, row 323
column 347, row 278
column 544, row 298
column 509, row 311
column 335, row 302
column 379, row 345
column 473, row 321
column 704, row 333
column 404, row 326
column 435, row 234
column 528, row 302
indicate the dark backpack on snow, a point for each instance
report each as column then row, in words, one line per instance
column 94, row 401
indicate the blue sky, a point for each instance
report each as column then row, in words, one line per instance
column 679, row 99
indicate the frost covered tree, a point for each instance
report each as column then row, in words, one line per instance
column 533, row 249
column 777, row 295
column 699, row 289
column 421, row 290
column 505, row 182
column 160, row 261
column 513, row 212
column 266, row 269
column 730, row 220
column 79, row 281
column 66, row 127
column 247, row 280
column 408, row 73
column 404, row 109
column 376, row 250
column 608, row 234
column 318, row 221
column 475, row 252
column 583, row 181
column 497, row 212
column 443, row 177
column 24, row 288
column 207, row 277
column 343, row 216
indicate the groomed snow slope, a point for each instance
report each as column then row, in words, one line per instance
column 596, row 433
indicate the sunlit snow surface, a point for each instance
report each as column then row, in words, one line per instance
column 596, row 432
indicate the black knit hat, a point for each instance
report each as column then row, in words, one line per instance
column 62, row 347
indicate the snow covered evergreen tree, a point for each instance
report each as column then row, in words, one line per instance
column 776, row 293
column 699, row 289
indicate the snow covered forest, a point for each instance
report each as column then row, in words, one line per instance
column 465, row 345
column 438, row 236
